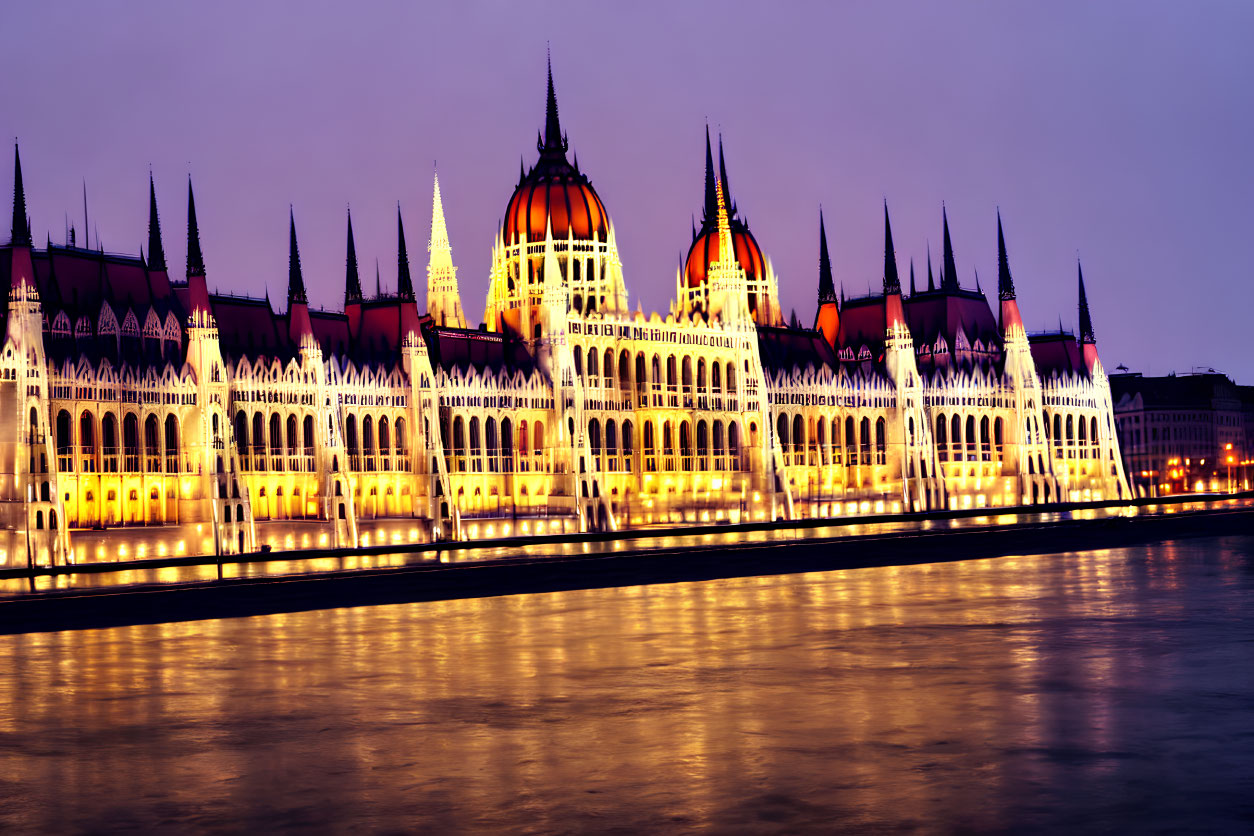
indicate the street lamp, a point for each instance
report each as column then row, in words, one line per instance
column 1230, row 459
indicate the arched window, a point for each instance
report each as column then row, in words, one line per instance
column 241, row 433
column 672, row 382
column 130, row 440
column 703, row 445
column 685, row 444
column 293, row 439
column 594, row 441
column 537, row 444
column 524, row 448
column 607, row 369
column 492, row 442
column 702, row 381
column 687, row 373
column 716, row 378
column 798, row 440
column 970, row 438
column 881, row 441
column 999, row 438
column 611, row 445
column 942, row 438
column 865, row 434
column 65, row 442
column 172, row 443
column 820, row 440
column 1057, row 430
column 733, row 445
column 668, row 446
column 507, row 444
column 459, row 444
column 398, row 441
column 781, row 435
column 594, row 367
column 851, row 443
column 152, row 444
column 476, row 446
column 650, row 447
column 109, row 442
column 986, row 450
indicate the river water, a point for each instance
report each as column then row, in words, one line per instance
column 1096, row 691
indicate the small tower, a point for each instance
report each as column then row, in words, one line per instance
column 444, row 303
column 299, row 326
column 894, row 314
column 949, row 269
column 197, row 289
column 827, row 320
column 1088, row 342
column 729, row 294
column 352, row 283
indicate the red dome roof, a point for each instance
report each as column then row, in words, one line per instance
column 705, row 248
column 554, row 192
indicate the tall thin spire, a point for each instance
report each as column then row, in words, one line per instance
column 892, row 282
column 439, row 229
column 195, row 259
column 949, row 271
column 295, row 281
column 1086, row 321
column 711, row 202
column 404, row 281
column 20, row 235
column 352, row 279
column 912, row 287
column 827, row 288
column 156, row 252
column 1005, row 285
column 722, row 176
column 931, row 282
column 553, row 139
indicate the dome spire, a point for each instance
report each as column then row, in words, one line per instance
column 156, row 252
column 931, row 282
column 892, row 282
column 21, row 224
column 352, row 279
column 553, row 139
column 827, row 288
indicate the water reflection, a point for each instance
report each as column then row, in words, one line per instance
column 1076, row 690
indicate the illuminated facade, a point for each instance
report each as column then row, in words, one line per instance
column 211, row 424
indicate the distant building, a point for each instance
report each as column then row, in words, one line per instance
column 1184, row 433
column 210, row 423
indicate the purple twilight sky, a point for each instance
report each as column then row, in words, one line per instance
column 1118, row 131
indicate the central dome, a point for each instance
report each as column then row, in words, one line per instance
column 554, row 192
column 704, row 252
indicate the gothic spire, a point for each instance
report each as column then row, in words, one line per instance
column 711, row 208
column 892, row 282
column 1086, row 321
column 949, row 271
column 931, row 282
column 912, row 287
column 553, row 139
column 295, row 281
column 722, row 176
column 827, row 288
column 21, row 224
column 1005, row 285
column 404, row 281
column 352, row 279
column 439, row 229
column 156, row 252
column 195, row 259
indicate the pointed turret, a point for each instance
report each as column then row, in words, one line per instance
column 892, row 282
column 1005, row 285
column 20, row 235
column 827, row 287
column 711, row 202
column 443, row 297
column 931, row 282
column 156, row 252
column 894, row 312
column 404, row 281
column 195, row 259
column 949, row 271
column 827, row 319
column 295, row 280
column 1086, row 321
column 913, row 290
column 352, row 279
column 197, row 288
column 299, row 327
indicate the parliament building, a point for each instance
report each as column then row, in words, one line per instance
column 143, row 416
